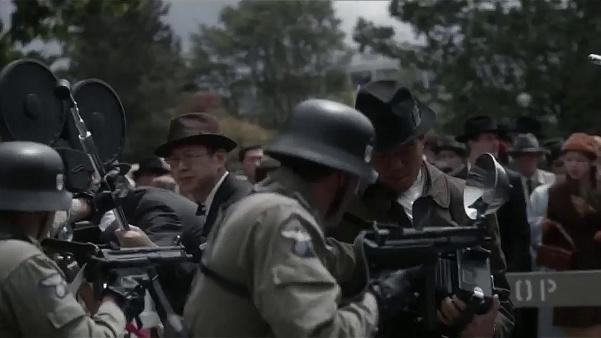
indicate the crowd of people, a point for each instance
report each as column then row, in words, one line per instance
column 274, row 245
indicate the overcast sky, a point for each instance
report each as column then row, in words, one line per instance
column 185, row 15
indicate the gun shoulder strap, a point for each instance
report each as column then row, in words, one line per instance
column 234, row 287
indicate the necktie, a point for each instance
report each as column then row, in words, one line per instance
column 202, row 210
column 530, row 185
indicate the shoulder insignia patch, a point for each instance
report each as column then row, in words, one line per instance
column 56, row 282
column 302, row 245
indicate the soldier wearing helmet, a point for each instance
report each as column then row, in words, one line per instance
column 267, row 267
column 34, row 298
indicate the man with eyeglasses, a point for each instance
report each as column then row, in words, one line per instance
column 197, row 152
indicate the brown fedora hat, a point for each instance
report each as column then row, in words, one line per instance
column 195, row 128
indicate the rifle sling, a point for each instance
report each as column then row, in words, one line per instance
column 234, row 287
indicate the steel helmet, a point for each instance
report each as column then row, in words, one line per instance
column 328, row 133
column 31, row 178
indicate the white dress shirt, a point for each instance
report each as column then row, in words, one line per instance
column 540, row 177
column 537, row 211
column 209, row 200
column 409, row 197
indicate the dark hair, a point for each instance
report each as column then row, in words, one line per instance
column 309, row 171
column 246, row 149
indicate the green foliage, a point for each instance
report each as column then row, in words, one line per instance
column 479, row 55
column 124, row 43
column 140, row 58
column 7, row 52
column 276, row 52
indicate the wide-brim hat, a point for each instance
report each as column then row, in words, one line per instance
column 151, row 165
column 477, row 125
column 448, row 143
column 195, row 128
column 527, row 124
column 526, row 144
column 581, row 142
column 397, row 116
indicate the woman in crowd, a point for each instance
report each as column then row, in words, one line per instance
column 573, row 224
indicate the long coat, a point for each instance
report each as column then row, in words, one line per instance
column 582, row 228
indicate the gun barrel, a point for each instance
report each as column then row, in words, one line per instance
column 385, row 249
column 141, row 257
column 595, row 59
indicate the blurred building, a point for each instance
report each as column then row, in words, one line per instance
column 364, row 68
column 367, row 67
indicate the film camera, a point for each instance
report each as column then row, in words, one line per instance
column 86, row 124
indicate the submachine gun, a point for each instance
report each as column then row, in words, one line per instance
column 86, row 125
column 454, row 260
column 142, row 265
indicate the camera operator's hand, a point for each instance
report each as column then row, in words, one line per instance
column 395, row 291
column 85, row 297
column 105, row 200
column 81, row 208
column 481, row 326
column 127, row 293
column 134, row 237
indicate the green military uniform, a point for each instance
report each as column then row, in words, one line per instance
column 265, row 272
column 35, row 301
column 444, row 196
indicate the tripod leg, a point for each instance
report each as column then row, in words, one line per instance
column 171, row 320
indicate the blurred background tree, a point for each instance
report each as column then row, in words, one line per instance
column 479, row 56
column 7, row 50
column 124, row 43
column 262, row 57
column 273, row 53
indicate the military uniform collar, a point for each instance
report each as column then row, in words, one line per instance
column 284, row 181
